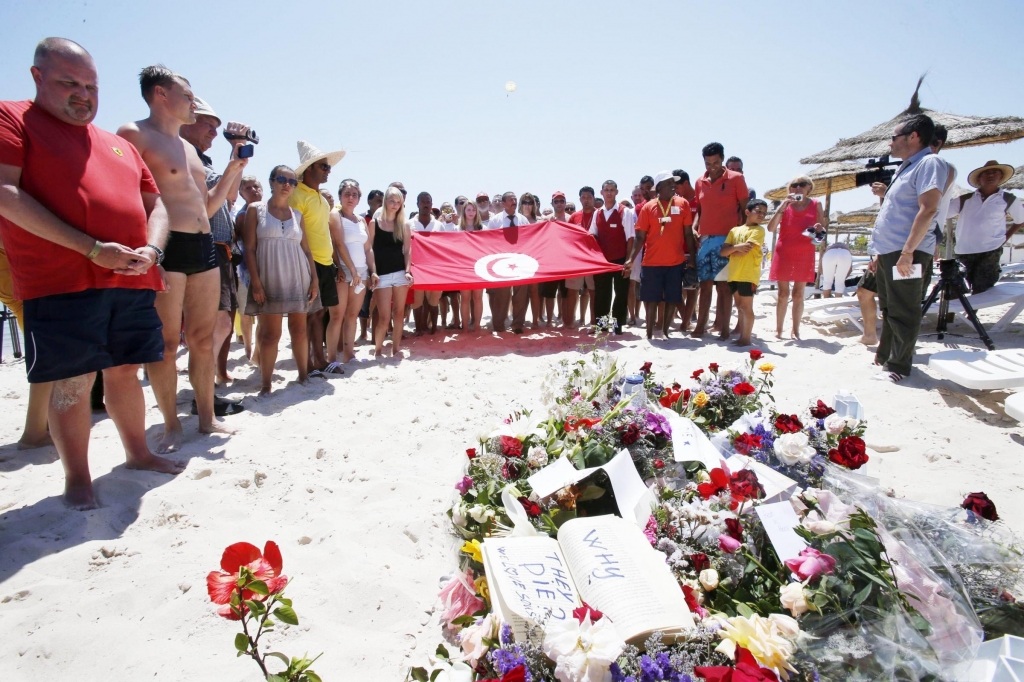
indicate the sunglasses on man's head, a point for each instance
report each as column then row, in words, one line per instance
column 286, row 181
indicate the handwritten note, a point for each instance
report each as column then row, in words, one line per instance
column 779, row 519
column 689, row 444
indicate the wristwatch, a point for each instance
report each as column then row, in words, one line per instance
column 159, row 253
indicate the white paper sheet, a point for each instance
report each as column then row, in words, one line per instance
column 779, row 519
column 689, row 444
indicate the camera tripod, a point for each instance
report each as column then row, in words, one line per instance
column 951, row 285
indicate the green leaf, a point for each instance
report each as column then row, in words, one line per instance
column 859, row 598
column 419, row 674
column 312, row 676
column 259, row 587
column 744, row 610
column 241, row 642
column 434, row 675
column 255, row 607
column 592, row 492
column 463, row 620
column 441, row 652
column 278, row 655
column 286, row 614
column 276, row 678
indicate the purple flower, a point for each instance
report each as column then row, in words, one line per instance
column 464, row 485
column 505, row 659
column 506, row 633
column 817, row 466
column 617, row 675
column 658, row 425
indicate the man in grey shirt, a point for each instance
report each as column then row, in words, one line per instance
column 903, row 238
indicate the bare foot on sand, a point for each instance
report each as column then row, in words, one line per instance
column 32, row 443
column 697, row 333
column 778, row 334
column 724, row 336
column 872, row 341
column 80, row 497
column 170, row 441
column 742, row 342
column 796, row 335
column 150, row 462
column 217, row 427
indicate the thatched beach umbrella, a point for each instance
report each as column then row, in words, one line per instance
column 964, row 131
column 863, row 216
column 1017, row 181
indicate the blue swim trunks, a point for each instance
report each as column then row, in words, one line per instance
column 709, row 262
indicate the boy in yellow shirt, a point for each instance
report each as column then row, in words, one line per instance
column 743, row 247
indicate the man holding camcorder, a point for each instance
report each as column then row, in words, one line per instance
column 905, row 242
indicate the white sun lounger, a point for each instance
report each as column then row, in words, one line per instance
column 808, row 292
column 825, row 303
column 1002, row 293
column 987, row 370
column 1012, row 269
column 844, row 313
column 1014, row 406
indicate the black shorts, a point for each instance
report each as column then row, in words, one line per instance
column 228, row 285
column 68, row 335
column 551, row 289
column 742, row 288
column 661, row 283
column 189, row 252
column 867, row 282
column 327, row 276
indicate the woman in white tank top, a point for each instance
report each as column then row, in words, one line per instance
column 359, row 244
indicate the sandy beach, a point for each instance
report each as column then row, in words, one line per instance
column 351, row 477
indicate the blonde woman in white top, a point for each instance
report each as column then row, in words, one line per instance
column 472, row 299
column 359, row 244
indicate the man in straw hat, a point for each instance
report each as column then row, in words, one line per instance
column 313, row 170
column 981, row 229
column 190, row 262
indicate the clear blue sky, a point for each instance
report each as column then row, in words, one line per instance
column 415, row 90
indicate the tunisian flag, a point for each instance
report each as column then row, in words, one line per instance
column 510, row 256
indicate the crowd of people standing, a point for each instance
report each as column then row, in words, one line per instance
column 150, row 250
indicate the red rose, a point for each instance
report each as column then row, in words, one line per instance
column 713, row 366
column 471, row 453
column 747, row 670
column 697, row 373
column 581, row 613
column 719, row 482
column 629, row 434
column 745, row 442
column 511, row 447
column 511, row 469
column 669, row 398
column 686, row 396
column 788, row 423
column 659, row 464
column 690, row 596
column 743, row 485
column 743, row 388
column 533, row 509
column 821, row 410
column 734, row 529
column 645, row 369
column 700, row 561
column 979, row 504
column 516, row 674
column 850, row 453
column 756, row 355
column 676, row 385
column 575, row 423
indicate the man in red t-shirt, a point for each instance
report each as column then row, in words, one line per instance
column 664, row 232
column 720, row 198
column 580, row 287
column 83, row 224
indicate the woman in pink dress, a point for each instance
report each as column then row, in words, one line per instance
column 793, row 259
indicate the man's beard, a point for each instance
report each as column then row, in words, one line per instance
column 82, row 111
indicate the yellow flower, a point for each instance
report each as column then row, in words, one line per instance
column 701, row 399
column 763, row 638
column 482, row 589
column 472, row 548
column 766, row 367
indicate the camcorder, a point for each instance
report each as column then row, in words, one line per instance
column 246, row 150
column 880, row 171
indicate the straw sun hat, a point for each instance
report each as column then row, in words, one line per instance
column 972, row 179
column 308, row 155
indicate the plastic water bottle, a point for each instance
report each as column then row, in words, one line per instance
column 633, row 386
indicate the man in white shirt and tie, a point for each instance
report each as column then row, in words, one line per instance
column 499, row 298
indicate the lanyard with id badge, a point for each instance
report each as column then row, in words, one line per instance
column 666, row 214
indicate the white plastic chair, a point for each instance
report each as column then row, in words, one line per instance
column 1014, row 406
column 985, row 370
column 1002, row 293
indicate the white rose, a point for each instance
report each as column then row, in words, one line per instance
column 459, row 515
column 480, row 513
column 787, row 626
column 709, row 579
column 821, row 527
column 792, row 598
column 834, row 424
column 472, row 637
column 582, row 652
column 852, row 423
column 793, row 448
column 537, row 457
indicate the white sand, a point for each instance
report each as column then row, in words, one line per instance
column 119, row 593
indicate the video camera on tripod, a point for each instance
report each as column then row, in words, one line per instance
column 881, row 171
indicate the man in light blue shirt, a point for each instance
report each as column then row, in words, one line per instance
column 903, row 238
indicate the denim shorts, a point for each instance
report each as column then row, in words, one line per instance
column 392, row 280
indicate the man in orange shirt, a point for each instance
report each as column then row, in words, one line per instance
column 720, row 198
column 664, row 225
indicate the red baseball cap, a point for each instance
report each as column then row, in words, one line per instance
column 558, row 195
column 482, row 195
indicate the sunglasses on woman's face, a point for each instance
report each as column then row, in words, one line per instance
column 527, row 203
column 797, row 185
column 286, row 181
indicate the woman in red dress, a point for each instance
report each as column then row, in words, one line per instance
column 793, row 259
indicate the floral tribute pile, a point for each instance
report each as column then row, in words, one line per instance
column 884, row 589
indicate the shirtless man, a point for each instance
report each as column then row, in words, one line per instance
column 190, row 260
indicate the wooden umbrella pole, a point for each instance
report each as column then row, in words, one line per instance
column 828, row 207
